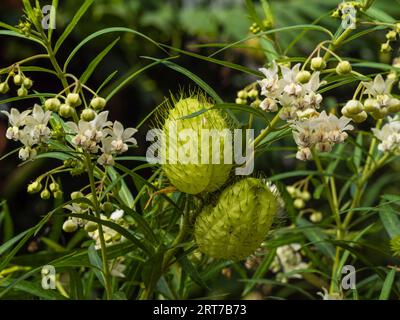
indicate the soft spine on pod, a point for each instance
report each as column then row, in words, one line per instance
column 237, row 225
column 194, row 177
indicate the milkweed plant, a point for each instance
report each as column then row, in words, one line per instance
column 205, row 211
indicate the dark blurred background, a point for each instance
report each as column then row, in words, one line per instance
column 185, row 24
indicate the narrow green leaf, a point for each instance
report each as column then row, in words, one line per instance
column 390, row 220
column 387, row 285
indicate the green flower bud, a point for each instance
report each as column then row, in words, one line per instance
column 58, row 195
column 88, row 115
column 291, row 190
column 73, row 99
column 316, row 216
column 385, row 47
column 354, row 106
column 242, row 94
column 371, row 105
column 66, row 111
column 195, row 176
column 391, row 35
column 305, row 195
column 34, row 187
column 299, row 203
column 54, row 186
column 18, row 80
column 76, row 195
column 255, row 103
column 237, row 225
column 318, row 63
column 45, row 195
column 70, row 226
column 303, row 76
column 52, row 104
column 394, row 105
column 397, row 27
column 91, row 226
column 22, row 92
column 343, row 67
column 240, row 101
column 4, row 87
column 98, row 103
column 28, row 83
column 360, row 117
column 107, row 207
column 253, row 93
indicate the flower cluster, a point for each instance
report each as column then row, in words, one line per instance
column 389, row 135
column 288, row 259
column 294, row 90
column 102, row 135
column 321, row 133
column 30, row 127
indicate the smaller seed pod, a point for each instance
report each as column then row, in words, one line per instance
column 303, row 76
column 239, row 222
column 343, row 67
column 4, row 87
column 318, row 63
column 74, row 100
column 70, row 226
column 88, row 115
column 52, row 104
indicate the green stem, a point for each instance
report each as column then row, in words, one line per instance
column 106, row 271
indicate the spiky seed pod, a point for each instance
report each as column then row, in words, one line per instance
column 195, row 175
column 237, row 225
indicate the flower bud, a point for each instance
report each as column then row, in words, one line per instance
column 4, row 87
column 394, row 105
column 242, row 94
column 52, row 104
column 343, row 67
column 34, row 187
column 58, row 195
column 385, row 47
column 318, row 63
column 299, row 203
column 28, row 83
column 107, row 207
column 73, row 99
column 45, row 195
column 22, row 92
column 98, row 103
column 380, row 113
column 354, row 106
column 54, row 186
column 371, row 105
column 391, row 35
column 305, row 195
column 191, row 173
column 239, row 222
column 240, row 101
column 303, row 76
column 253, row 93
column 91, row 226
column 360, row 117
column 316, row 216
column 88, row 115
column 18, row 80
column 76, row 195
column 66, row 111
column 70, row 226
column 291, row 190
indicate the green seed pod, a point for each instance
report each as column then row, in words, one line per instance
column 88, row 115
column 74, row 100
column 98, row 103
column 343, row 67
column 197, row 170
column 52, row 104
column 237, row 225
column 70, row 226
column 303, row 76
column 318, row 63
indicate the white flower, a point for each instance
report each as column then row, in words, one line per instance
column 106, row 159
column 288, row 81
column 117, row 214
column 120, row 137
column 330, row 296
column 269, row 85
column 378, row 86
column 389, row 135
column 27, row 153
column 37, row 124
column 16, row 120
column 110, row 235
